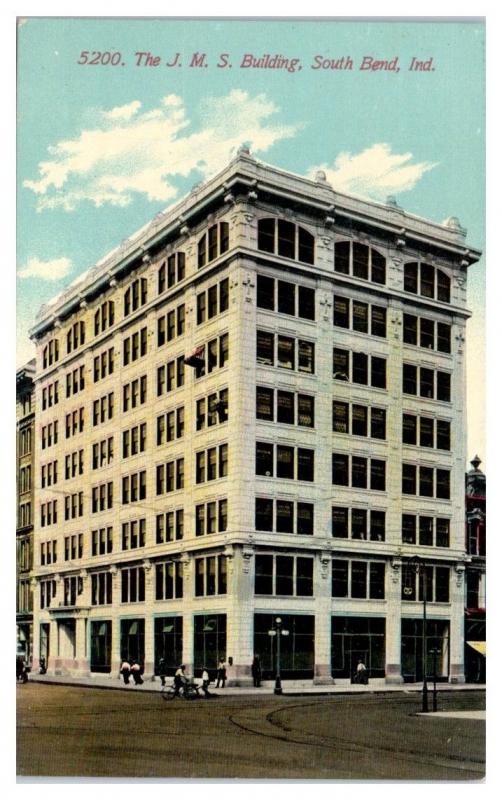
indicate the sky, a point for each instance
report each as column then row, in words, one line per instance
column 103, row 147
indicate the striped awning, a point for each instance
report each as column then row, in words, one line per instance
column 480, row 647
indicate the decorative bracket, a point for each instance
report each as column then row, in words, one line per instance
column 396, row 565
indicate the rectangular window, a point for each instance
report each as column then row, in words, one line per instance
column 340, row 469
column 410, row 329
column 265, row 347
column 264, row 458
column 360, row 317
column 305, row 411
column 285, row 352
column 285, row 407
column 306, row 356
column 427, row 334
column 340, row 522
column 359, row 420
column 265, row 291
column 285, row 462
column 264, row 513
column 409, row 429
column 360, row 368
column 341, row 308
column 306, row 302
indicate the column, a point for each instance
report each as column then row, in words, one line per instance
column 188, row 624
column 457, row 674
column 116, row 656
column 82, row 666
column 393, row 623
column 35, row 662
column 322, row 654
column 240, row 607
column 149, row 661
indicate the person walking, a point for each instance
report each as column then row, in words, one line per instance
column 256, row 671
column 125, row 670
column 162, row 670
column 361, row 673
column 136, row 673
column 221, row 674
column 205, row 682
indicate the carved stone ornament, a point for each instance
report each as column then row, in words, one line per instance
column 325, row 561
column 252, row 196
column 395, row 574
column 113, row 283
column 397, row 260
column 326, row 240
column 460, row 571
column 147, row 564
column 184, row 230
column 326, row 304
column 460, row 279
column 229, row 198
column 248, row 284
column 247, row 555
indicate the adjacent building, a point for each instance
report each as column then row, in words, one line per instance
column 255, row 408
column 475, row 574
column 25, row 471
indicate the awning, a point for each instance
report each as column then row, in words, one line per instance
column 480, row 647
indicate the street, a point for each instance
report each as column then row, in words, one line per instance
column 75, row 731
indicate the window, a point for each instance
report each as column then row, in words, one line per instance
column 75, row 336
column 285, row 239
column 366, row 370
column 359, row 260
column 102, row 541
column 210, row 356
column 101, row 588
column 104, row 317
column 285, row 462
column 103, row 364
column 169, row 580
column 213, row 243
column 363, row 319
column 364, row 421
column 426, row 333
column 135, row 296
column 134, row 487
column 171, row 271
column 284, row 575
column 285, row 297
column 426, row 483
column 426, row 382
column 133, row 534
column 357, row 523
column 50, row 395
column 210, row 576
column 48, row 552
column 171, row 426
column 171, row 325
column 75, row 381
column 360, row 469
column 73, row 505
column 293, row 354
column 211, row 410
column 73, row 547
column 134, row 393
column 286, row 407
column 72, row 588
column 134, row 346
column 358, row 579
column 437, row 584
column 169, row 526
column 212, row 301
column 48, row 513
column 211, row 464
column 211, row 517
column 102, row 497
column 102, row 453
column 170, row 476
column 134, row 440
column 289, row 517
column 102, row 409
column 171, row 376
column 426, row 432
column 133, row 585
column 50, row 356
column 433, row 283
column 74, row 464
column 49, row 436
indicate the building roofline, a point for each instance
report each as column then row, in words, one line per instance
column 259, row 176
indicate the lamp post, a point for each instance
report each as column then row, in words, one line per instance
column 277, row 630
column 416, row 565
column 435, row 652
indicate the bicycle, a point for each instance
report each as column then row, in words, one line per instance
column 187, row 691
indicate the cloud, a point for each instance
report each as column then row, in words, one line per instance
column 46, row 270
column 132, row 151
column 375, row 172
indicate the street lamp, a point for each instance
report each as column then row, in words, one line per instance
column 277, row 630
column 418, row 567
column 435, row 652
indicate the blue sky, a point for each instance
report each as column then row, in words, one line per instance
column 101, row 148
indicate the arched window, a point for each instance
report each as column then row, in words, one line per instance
column 213, row 243
column 360, row 261
column 427, row 281
column 285, row 239
column 171, row 271
column 135, row 296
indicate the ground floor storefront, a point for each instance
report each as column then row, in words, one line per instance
column 312, row 646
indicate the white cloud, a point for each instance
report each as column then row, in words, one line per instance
column 375, row 172
column 52, row 270
column 132, row 152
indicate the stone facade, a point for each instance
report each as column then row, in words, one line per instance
column 122, row 587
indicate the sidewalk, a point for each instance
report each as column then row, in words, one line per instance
column 288, row 687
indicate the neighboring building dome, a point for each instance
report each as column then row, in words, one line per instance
column 475, row 480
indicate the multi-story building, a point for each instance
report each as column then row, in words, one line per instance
column 25, row 439
column 256, row 407
column 475, row 574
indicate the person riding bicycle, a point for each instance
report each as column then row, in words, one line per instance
column 180, row 680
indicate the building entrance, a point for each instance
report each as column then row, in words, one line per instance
column 168, row 643
column 297, row 648
column 210, row 641
column 101, row 646
column 354, row 638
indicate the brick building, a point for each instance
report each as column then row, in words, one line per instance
column 254, row 407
